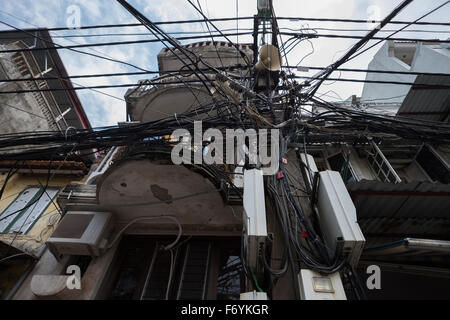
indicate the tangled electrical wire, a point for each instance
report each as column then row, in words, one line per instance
column 233, row 105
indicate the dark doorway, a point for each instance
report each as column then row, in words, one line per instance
column 197, row 268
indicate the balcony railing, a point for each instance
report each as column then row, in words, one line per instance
column 381, row 166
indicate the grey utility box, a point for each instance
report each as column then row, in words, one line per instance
column 81, row 233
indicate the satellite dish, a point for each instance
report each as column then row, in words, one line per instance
column 269, row 58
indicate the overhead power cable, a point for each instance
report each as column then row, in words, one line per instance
column 416, row 85
column 358, row 30
column 212, row 37
column 124, row 34
column 323, row 75
column 131, row 85
column 205, row 36
column 161, row 36
column 177, row 22
column 56, row 46
column 140, row 73
column 116, row 43
column 125, row 85
column 243, row 55
column 389, row 37
column 70, row 40
column 375, row 71
column 343, row 36
column 339, row 120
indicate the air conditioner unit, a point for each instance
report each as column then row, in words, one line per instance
column 81, row 233
column 255, row 225
column 314, row 286
column 337, row 218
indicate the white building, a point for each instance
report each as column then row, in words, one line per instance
column 418, row 101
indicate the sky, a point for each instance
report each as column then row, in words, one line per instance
column 104, row 110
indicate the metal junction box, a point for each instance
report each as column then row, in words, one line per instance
column 338, row 219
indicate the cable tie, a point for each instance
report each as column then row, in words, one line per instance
column 280, row 175
column 304, row 234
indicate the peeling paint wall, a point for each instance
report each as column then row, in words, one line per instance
column 19, row 112
column 42, row 229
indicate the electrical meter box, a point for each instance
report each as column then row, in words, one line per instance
column 314, row 286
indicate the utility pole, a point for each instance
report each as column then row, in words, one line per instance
column 267, row 58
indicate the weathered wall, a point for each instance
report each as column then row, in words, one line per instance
column 193, row 199
column 41, row 230
column 18, row 112
column 91, row 281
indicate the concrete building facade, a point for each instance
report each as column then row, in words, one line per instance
column 140, row 227
column 28, row 209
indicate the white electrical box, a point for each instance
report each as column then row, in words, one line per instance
column 255, row 224
column 314, row 286
column 308, row 159
column 253, row 296
column 337, row 217
column 81, row 233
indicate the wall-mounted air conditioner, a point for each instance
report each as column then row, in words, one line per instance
column 81, row 233
column 337, row 218
column 255, row 224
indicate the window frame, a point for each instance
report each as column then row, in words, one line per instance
column 437, row 157
column 8, row 228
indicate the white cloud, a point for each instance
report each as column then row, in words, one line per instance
column 92, row 8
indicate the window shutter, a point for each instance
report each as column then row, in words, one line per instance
column 23, row 220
